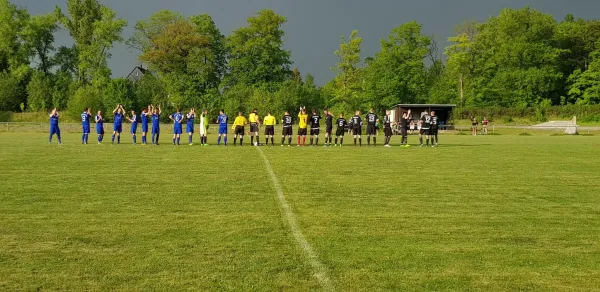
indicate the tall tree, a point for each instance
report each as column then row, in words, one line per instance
column 256, row 53
column 14, row 52
column 95, row 28
column 398, row 72
column 346, row 88
column 39, row 36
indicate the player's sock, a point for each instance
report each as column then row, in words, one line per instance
column 290, row 140
column 336, row 140
column 251, row 139
column 354, row 141
column 258, row 140
column 341, row 141
column 119, row 139
column 173, row 141
column 374, row 141
column 157, row 136
column 113, row 138
column 219, row 140
column 58, row 137
column 272, row 141
column 436, row 139
column 369, row 140
column 82, row 138
column 134, row 139
column 427, row 141
column 282, row 140
column 421, row 140
column 190, row 139
column 298, row 140
column 225, row 141
column 242, row 141
column 153, row 138
column 234, row 141
column 317, row 141
column 311, row 141
column 360, row 141
column 303, row 140
column 178, row 140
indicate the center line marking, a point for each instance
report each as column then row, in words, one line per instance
column 320, row 272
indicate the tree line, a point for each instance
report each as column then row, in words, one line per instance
column 521, row 58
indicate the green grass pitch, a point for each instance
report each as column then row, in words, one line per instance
column 485, row 213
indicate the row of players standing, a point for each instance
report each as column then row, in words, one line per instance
column 354, row 125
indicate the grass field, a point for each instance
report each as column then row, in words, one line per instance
column 485, row 213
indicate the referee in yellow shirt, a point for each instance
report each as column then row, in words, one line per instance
column 254, row 124
column 269, row 122
column 238, row 127
column 302, row 124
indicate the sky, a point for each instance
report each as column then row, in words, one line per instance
column 314, row 27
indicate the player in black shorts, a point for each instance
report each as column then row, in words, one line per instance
column 287, row 121
column 356, row 121
column 372, row 120
column 328, row 127
column 341, row 129
column 315, row 124
column 425, row 128
column 404, row 124
column 387, row 128
column 435, row 122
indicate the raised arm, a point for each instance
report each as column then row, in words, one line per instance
column 159, row 110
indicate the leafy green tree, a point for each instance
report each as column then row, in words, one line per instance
column 256, row 53
column 83, row 97
column 14, row 53
column 585, row 85
column 347, row 87
column 119, row 91
column 66, row 60
column 94, row 28
column 398, row 72
column 11, row 95
column 39, row 92
column 39, row 36
column 212, row 64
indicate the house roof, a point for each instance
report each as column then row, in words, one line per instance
column 426, row 105
column 137, row 68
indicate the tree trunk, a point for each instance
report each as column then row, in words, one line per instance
column 462, row 90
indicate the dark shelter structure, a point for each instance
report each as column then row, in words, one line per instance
column 443, row 111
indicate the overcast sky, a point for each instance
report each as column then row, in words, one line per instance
column 314, row 26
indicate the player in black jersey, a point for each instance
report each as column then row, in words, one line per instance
column 328, row 127
column 435, row 122
column 404, row 124
column 356, row 122
column 425, row 128
column 315, row 123
column 287, row 121
column 372, row 121
column 387, row 128
column 341, row 129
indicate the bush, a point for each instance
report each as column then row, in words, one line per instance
column 85, row 96
column 11, row 93
column 39, row 92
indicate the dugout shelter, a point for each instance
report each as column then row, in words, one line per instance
column 443, row 111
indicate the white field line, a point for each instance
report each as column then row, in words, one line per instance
column 320, row 272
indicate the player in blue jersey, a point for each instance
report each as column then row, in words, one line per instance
column 144, row 116
column 85, row 124
column 54, row 129
column 156, row 111
column 119, row 115
column 134, row 122
column 177, row 118
column 222, row 121
column 189, row 127
column 100, row 126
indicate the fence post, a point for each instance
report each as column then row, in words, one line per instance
column 7, row 127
